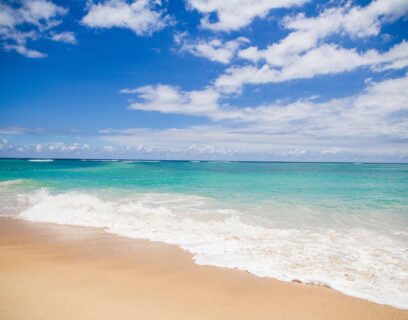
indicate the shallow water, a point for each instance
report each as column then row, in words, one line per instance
column 342, row 225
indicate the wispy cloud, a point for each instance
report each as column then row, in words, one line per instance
column 66, row 37
column 323, row 60
column 16, row 130
column 212, row 49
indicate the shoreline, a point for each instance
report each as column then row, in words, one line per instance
column 51, row 271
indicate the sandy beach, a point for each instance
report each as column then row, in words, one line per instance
column 59, row 272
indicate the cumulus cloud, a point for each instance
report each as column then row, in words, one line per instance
column 308, row 32
column 377, row 116
column 48, row 149
column 307, row 51
column 41, row 13
column 60, row 147
column 373, row 121
column 371, row 125
column 214, row 49
column 28, row 21
column 72, row 150
column 170, row 99
column 141, row 16
column 297, row 152
column 235, row 14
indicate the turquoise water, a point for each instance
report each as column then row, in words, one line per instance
column 357, row 186
column 339, row 224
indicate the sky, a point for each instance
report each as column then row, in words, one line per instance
column 282, row 80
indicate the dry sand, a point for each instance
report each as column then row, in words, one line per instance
column 58, row 272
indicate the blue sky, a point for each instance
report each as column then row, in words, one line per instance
column 296, row 80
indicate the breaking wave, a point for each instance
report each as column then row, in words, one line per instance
column 357, row 261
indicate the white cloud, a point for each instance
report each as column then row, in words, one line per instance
column 367, row 21
column 108, row 148
column 297, row 152
column 7, row 16
column 196, row 138
column 23, row 50
column 28, row 22
column 59, row 148
column 303, row 53
column 370, row 125
column 235, row 14
column 62, row 149
column 15, row 130
column 223, row 142
column 140, row 16
column 375, row 119
column 38, row 148
column 395, row 58
column 307, row 32
column 66, row 37
column 333, row 150
column 379, row 112
column 3, row 144
column 214, row 49
column 40, row 13
column 169, row 99
column 325, row 59
column 138, row 149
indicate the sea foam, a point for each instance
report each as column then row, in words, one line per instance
column 357, row 261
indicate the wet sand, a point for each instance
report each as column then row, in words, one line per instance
column 60, row 272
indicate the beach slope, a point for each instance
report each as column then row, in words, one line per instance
column 58, row 272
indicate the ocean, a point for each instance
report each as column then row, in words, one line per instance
column 342, row 225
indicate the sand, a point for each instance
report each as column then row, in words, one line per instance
column 59, row 272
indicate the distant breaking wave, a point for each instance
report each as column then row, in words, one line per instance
column 100, row 160
column 40, row 160
column 142, row 161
